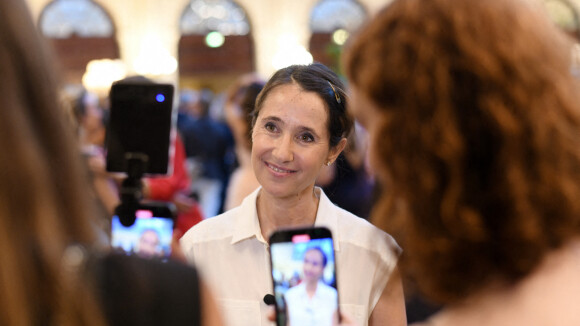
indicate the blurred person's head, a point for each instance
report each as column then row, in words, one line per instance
column 148, row 245
column 44, row 201
column 247, row 104
column 314, row 263
column 187, row 100
column 203, row 103
column 474, row 119
column 90, row 118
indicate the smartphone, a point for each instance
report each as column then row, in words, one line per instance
column 149, row 236
column 139, row 124
column 304, row 276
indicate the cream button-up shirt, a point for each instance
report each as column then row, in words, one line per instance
column 233, row 259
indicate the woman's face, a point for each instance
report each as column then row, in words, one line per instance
column 313, row 266
column 290, row 141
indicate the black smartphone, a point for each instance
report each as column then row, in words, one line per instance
column 149, row 236
column 139, row 126
column 304, row 276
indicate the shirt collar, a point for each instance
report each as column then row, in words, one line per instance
column 247, row 224
column 327, row 216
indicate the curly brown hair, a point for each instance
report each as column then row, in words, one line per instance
column 478, row 151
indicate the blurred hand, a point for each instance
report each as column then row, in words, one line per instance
column 176, row 251
column 183, row 203
column 347, row 320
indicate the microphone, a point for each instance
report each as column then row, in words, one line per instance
column 269, row 299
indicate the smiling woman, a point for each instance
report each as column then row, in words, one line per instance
column 300, row 124
column 291, row 144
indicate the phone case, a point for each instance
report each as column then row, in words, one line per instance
column 149, row 236
column 304, row 276
column 140, row 126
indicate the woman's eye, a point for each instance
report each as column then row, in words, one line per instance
column 306, row 138
column 270, row 126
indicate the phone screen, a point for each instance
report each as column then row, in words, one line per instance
column 304, row 277
column 149, row 237
column 140, row 122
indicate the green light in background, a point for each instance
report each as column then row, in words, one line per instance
column 214, row 39
column 340, row 36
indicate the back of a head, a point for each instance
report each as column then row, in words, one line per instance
column 44, row 201
column 479, row 117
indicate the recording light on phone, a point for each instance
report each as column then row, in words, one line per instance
column 143, row 213
column 300, row 238
column 160, row 98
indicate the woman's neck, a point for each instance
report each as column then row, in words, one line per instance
column 311, row 288
column 275, row 212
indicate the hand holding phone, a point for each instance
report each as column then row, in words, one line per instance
column 304, row 277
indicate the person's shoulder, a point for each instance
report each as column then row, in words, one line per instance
column 355, row 226
column 361, row 233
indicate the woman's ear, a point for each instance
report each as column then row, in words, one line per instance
column 335, row 151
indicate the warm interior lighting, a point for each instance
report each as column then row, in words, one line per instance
column 100, row 74
column 154, row 59
column 290, row 52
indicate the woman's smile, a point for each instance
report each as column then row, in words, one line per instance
column 279, row 170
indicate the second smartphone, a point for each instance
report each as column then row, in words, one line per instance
column 149, row 236
column 304, row 277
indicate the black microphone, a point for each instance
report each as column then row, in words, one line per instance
column 269, row 299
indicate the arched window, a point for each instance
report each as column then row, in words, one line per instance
column 215, row 40
column 331, row 21
column 565, row 15
column 80, row 31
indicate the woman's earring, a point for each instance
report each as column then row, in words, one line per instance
column 328, row 163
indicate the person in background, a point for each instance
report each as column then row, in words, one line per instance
column 474, row 117
column 348, row 183
column 240, row 101
column 175, row 188
column 209, row 147
column 90, row 120
column 299, row 125
column 56, row 265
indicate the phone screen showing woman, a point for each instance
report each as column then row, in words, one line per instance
column 304, row 277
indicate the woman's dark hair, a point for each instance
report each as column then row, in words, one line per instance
column 248, row 104
column 321, row 80
column 324, row 258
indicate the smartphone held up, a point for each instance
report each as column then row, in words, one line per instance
column 304, row 277
column 149, row 236
column 140, row 127
column 139, row 144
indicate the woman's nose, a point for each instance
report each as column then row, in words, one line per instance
column 283, row 151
